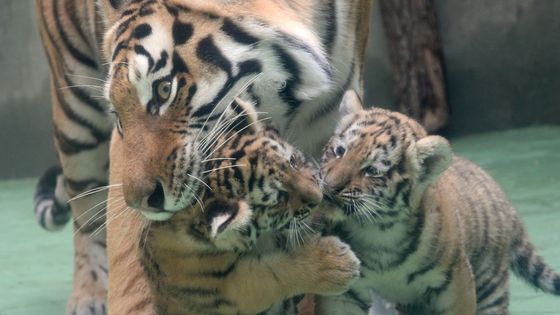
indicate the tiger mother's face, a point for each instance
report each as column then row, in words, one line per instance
column 173, row 71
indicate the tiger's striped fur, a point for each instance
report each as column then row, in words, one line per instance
column 204, row 261
column 51, row 201
column 434, row 232
column 292, row 59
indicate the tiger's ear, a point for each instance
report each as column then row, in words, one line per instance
column 112, row 10
column 241, row 116
column 351, row 103
column 434, row 155
column 226, row 215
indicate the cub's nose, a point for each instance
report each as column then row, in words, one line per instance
column 313, row 199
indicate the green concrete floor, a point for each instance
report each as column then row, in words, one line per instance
column 36, row 266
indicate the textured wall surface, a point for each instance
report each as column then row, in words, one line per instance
column 502, row 57
column 503, row 62
column 25, row 118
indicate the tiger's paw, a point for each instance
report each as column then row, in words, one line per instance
column 86, row 305
column 89, row 296
column 90, row 292
column 335, row 266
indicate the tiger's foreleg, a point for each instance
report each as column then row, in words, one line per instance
column 84, row 176
column 82, row 132
column 82, row 129
column 88, row 212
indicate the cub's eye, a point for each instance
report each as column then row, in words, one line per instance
column 371, row 171
column 339, row 151
column 163, row 90
column 293, row 161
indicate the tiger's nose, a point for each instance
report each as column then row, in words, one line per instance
column 157, row 198
column 146, row 195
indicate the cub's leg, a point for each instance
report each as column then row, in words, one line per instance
column 357, row 300
column 348, row 303
column 322, row 266
column 456, row 295
column 81, row 130
column 493, row 295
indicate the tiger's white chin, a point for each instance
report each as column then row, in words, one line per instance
column 157, row 216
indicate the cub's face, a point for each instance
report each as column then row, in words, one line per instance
column 259, row 183
column 376, row 162
column 255, row 181
column 268, row 174
column 173, row 69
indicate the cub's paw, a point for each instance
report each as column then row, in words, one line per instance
column 335, row 266
column 86, row 305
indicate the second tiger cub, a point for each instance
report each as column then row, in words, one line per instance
column 435, row 234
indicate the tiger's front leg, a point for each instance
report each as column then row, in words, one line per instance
column 89, row 292
column 82, row 133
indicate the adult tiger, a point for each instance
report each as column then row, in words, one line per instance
column 169, row 67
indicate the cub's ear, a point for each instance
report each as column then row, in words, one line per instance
column 434, row 155
column 351, row 103
column 241, row 116
column 226, row 215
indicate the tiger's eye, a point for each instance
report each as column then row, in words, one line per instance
column 164, row 90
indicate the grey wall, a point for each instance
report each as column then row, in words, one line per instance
column 502, row 58
column 503, row 62
column 25, row 118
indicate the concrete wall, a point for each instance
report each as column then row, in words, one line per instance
column 503, row 62
column 25, row 118
column 502, row 57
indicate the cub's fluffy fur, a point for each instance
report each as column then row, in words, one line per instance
column 435, row 234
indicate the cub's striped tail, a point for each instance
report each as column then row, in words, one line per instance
column 51, row 201
column 527, row 264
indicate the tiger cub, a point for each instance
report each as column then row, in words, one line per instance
column 199, row 261
column 434, row 232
